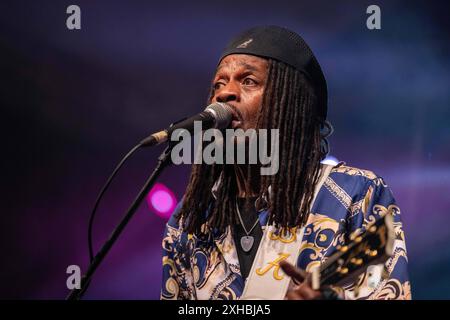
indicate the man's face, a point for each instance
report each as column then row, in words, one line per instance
column 240, row 81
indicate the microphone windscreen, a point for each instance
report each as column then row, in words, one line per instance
column 222, row 113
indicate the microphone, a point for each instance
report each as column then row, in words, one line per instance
column 217, row 115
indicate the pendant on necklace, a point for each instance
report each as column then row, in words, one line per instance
column 247, row 243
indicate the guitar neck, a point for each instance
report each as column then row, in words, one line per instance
column 371, row 247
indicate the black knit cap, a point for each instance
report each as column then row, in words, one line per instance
column 286, row 46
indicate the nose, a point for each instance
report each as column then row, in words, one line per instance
column 229, row 92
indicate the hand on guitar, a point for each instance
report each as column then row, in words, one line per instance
column 302, row 289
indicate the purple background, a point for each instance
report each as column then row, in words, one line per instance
column 73, row 102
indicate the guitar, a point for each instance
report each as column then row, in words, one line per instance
column 372, row 247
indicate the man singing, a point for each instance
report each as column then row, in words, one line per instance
column 238, row 234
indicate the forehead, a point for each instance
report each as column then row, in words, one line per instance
column 234, row 62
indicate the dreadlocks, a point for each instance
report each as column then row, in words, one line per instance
column 289, row 104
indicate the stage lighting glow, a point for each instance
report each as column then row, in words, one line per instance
column 330, row 160
column 161, row 200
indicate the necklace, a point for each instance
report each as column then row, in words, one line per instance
column 247, row 240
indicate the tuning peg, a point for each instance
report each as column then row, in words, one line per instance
column 355, row 237
column 356, row 261
column 342, row 248
column 342, row 270
column 371, row 253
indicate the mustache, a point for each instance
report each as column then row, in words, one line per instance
column 237, row 112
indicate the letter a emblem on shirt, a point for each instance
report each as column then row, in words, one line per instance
column 275, row 265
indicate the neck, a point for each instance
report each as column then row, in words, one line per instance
column 242, row 174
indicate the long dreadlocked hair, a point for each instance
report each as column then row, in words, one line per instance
column 290, row 105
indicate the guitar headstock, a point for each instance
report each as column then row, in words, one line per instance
column 371, row 247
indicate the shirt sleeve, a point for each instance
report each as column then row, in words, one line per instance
column 175, row 271
column 389, row 280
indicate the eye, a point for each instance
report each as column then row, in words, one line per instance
column 249, row 82
column 218, row 84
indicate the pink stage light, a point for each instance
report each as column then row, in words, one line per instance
column 161, row 200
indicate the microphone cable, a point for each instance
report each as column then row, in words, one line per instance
column 100, row 196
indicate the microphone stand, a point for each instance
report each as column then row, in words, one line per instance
column 163, row 161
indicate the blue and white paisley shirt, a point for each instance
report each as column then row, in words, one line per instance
column 350, row 198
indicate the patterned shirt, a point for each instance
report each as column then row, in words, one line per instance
column 207, row 267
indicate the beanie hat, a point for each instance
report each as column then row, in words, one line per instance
column 286, row 46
